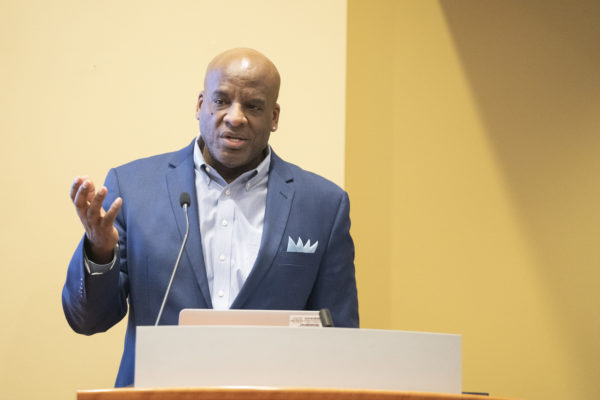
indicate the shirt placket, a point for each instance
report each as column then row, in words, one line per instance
column 223, row 254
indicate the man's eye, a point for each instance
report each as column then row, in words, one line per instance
column 218, row 101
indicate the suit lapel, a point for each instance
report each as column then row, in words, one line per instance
column 181, row 178
column 279, row 202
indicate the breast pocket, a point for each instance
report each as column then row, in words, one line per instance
column 289, row 259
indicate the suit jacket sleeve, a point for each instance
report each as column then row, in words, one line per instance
column 94, row 303
column 335, row 287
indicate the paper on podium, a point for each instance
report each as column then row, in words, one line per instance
column 203, row 316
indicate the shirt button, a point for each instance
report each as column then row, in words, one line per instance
column 222, row 257
column 227, row 192
column 221, row 293
column 224, row 223
column 248, row 186
column 207, row 168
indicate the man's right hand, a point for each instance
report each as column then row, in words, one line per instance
column 102, row 236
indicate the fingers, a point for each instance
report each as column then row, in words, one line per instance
column 111, row 214
column 76, row 185
column 81, row 196
column 88, row 204
column 94, row 211
column 98, row 224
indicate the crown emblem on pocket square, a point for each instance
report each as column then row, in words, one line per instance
column 300, row 247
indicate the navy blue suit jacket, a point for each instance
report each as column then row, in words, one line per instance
column 151, row 227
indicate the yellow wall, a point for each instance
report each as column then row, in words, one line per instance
column 87, row 85
column 473, row 157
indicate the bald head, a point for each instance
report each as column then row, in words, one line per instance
column 248, row 65
column 237, row 111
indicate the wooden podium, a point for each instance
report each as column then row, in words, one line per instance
column 275, row 363
column 266, row 394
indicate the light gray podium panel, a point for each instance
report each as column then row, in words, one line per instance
column 205, row 356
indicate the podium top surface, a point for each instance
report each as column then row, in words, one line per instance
column 266, row 394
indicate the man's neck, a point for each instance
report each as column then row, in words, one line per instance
column 229, row 174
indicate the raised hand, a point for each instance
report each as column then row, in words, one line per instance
column 102, row 236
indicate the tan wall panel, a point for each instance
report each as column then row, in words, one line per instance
column 369, row 161
column 87, row 85
column 476, row 127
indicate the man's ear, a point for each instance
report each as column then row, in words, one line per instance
column 199, row 104
column 275, row 119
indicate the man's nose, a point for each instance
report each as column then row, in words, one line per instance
column 235, row 115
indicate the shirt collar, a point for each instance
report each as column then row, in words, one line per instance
column 249, row 178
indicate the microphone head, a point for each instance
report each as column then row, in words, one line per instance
column 184, row 199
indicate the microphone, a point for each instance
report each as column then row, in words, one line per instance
column 184, row 202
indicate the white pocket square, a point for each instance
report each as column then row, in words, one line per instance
column 301, row 247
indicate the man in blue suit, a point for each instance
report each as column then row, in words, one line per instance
column 264, row 234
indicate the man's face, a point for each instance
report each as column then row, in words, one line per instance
column 237, row 112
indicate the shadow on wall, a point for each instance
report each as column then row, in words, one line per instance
column 534, row 69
